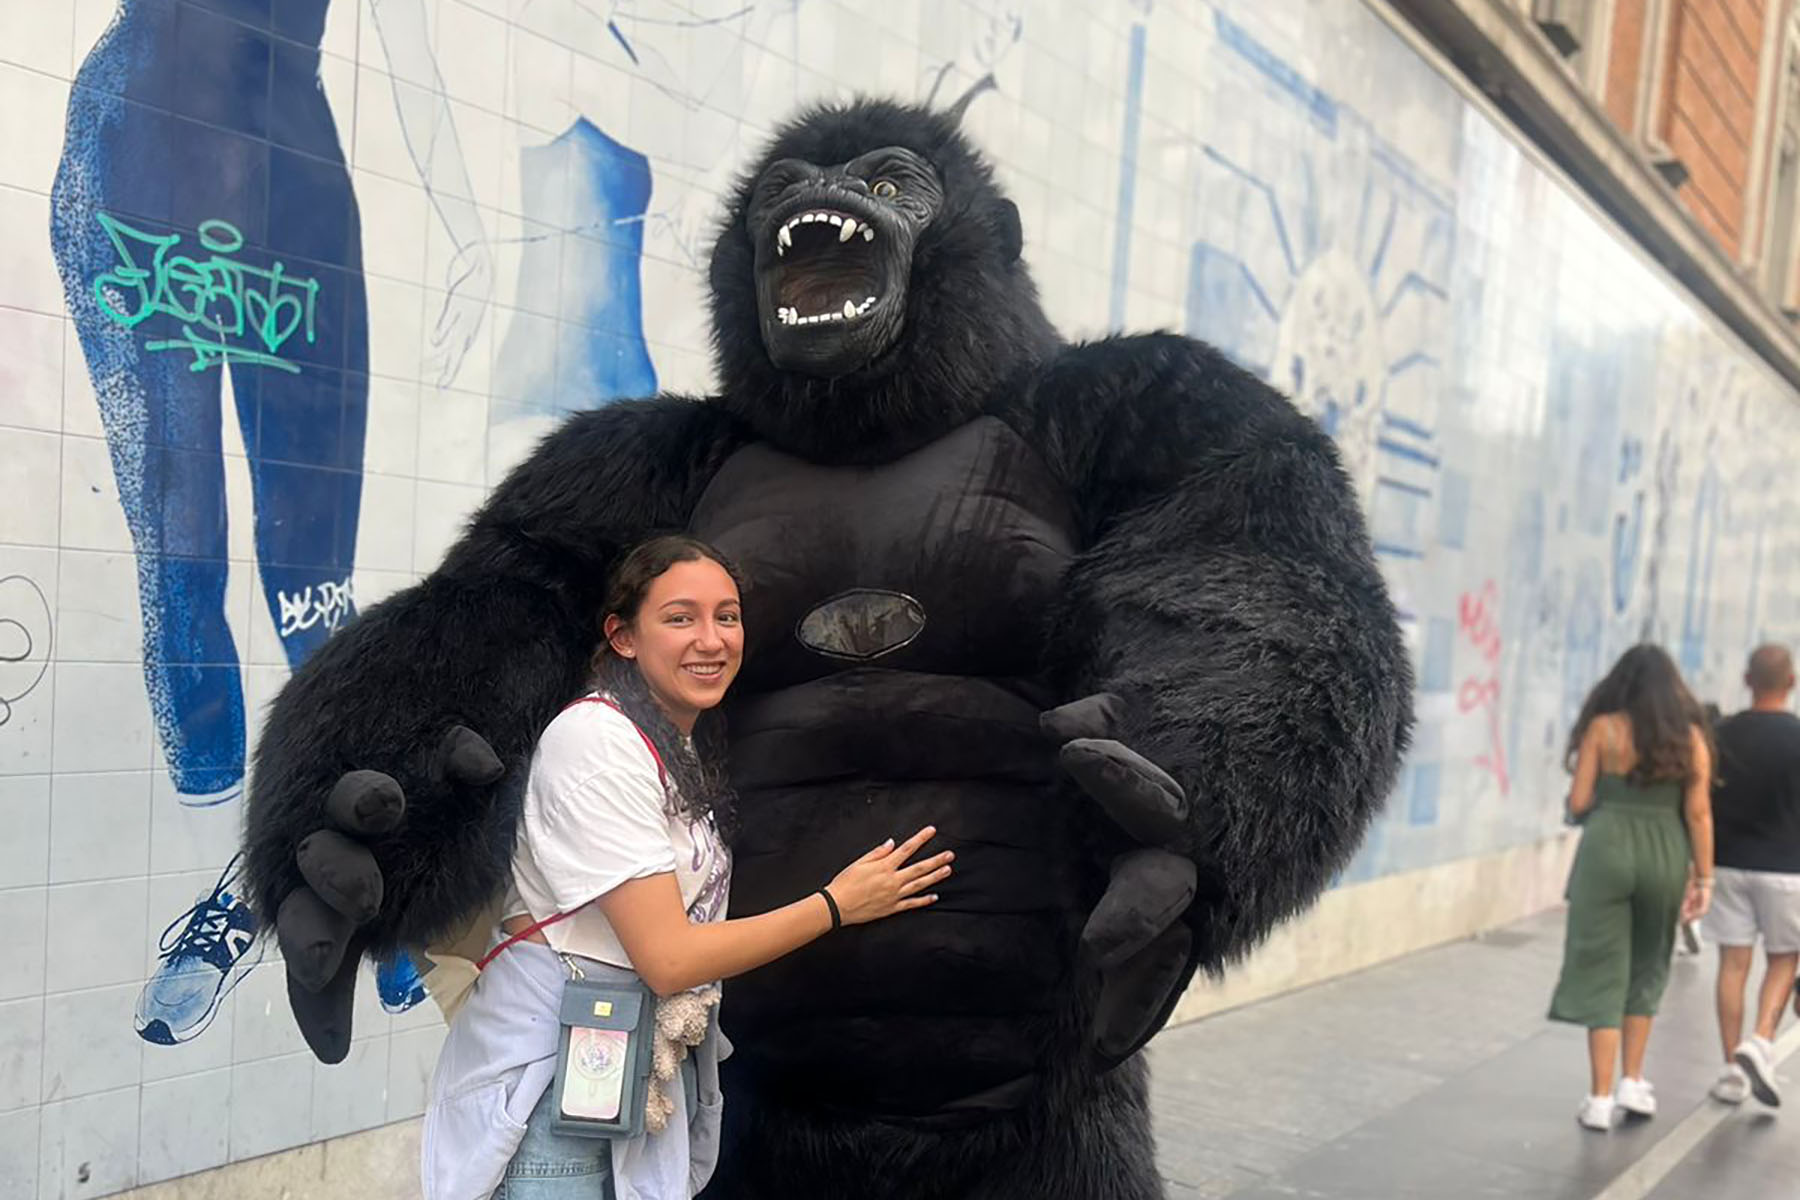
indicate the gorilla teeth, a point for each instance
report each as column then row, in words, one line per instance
column 848, row 227
column 850, row 311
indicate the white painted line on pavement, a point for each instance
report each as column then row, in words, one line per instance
column 1644, row 1174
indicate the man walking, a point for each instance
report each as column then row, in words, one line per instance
column 1756, row 822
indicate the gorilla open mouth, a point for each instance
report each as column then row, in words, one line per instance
column 827, row 268
column 834, row 248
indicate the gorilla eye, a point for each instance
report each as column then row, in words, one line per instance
column 885, row 189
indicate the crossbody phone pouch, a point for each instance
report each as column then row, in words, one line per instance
column 603, row 1058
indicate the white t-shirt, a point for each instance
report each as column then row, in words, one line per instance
column 596, row 815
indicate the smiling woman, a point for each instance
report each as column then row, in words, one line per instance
column 618, row 883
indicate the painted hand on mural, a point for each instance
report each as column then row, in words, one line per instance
column 468, row 285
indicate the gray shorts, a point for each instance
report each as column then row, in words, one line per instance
column 1746, row 903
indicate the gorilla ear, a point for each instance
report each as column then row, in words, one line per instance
column 1009, row 231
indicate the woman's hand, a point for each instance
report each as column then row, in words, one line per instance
column 882, row 882
column 1697, row 900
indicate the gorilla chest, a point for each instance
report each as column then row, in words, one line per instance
column 945, row 561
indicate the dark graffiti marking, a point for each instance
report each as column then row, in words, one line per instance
column 23, row 609
column 230, row 311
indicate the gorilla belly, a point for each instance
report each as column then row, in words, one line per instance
column 894, row 619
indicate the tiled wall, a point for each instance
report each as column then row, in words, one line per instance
column 486, row 212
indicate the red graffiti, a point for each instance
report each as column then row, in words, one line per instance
column 1477, row 617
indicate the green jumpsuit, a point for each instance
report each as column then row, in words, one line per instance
column 1624, row 902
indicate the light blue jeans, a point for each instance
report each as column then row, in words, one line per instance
column 557, row 1166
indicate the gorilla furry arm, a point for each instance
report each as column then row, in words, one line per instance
column 1229, row 599
column 495, row 641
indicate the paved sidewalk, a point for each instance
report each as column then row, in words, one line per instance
column 1437, row 1076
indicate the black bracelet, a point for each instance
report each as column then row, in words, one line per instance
column 837, row 918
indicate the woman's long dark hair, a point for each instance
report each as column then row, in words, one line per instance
column 1646, row 686
column 699, row 771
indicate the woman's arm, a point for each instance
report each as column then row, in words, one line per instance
column 1587, row 771
column 1697, row 808
column 672, row 954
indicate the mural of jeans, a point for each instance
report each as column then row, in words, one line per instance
column 203, row 222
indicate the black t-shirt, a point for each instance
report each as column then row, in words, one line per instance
column 1756, row 792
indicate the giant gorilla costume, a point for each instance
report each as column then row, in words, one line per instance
column 997, row 583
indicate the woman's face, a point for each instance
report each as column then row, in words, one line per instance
column 687, row 639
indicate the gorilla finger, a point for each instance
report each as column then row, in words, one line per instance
column 1148, row 892
column 343, row 873
column 324, row 1014
column 1140, row 796
column 366, row 802
column 313, row 936
column 464, row 757
column 1137, row 996
column 1097, row 716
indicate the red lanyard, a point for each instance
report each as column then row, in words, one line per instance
column 661, row 773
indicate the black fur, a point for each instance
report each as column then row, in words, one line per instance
column 1224, row 591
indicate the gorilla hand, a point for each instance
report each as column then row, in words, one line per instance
column 1135, row 936
column 317, row 924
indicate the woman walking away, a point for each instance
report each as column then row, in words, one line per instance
column 561, row 1077
column 1643, row 771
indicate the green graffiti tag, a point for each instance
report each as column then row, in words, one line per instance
column 230, row 311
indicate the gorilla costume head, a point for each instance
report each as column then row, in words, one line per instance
column 855, row 346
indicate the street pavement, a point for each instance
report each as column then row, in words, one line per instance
column 1437, row 1076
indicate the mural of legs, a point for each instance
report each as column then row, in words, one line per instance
column 204, row 228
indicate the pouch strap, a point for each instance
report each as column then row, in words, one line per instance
column 661, row 773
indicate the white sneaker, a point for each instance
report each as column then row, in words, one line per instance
column 1596, row 1113
column 1753, row 1056
column 1733, row 1087
column 1635, row 1096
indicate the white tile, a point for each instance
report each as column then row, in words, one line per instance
column 88, row 1147
column 94, row 934
column 31, row 374
column 33, row 108
column 38, row 36
column 261, row 686
column 271, row 1105
column 28, row 276
column 80, row 410
column 91, row 517
column 91, row 20
column 29, row 475
column 21, row 1052
column 384, row 535
column 97, row 618
column 453, row 429
column 184, row 1124
column 412, row 1056
column 344, row 29
column 372, row 587
column 380, row 144
column 25, row 816
column 391, row 439
column 102, row 718
column 471, row 55
column 396, row 328
column 89, row 1042
column 22, row 938
column 19, row 1153
column 443, row 509
column 393, row 226
column 353, row 1094
column 184, row 838
column 262, row 1024
column 99, row 826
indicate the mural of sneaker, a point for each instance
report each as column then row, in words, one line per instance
column 398, row 981
column 206, row 951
